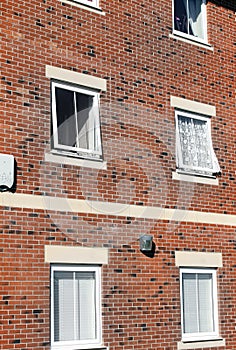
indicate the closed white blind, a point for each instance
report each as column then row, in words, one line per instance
column 197, row 303
column 63, row 306
column 206, row 318
column 74, row 306
column 87, row 308
column 190, row 307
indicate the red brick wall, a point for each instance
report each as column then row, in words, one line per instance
column 130, row 47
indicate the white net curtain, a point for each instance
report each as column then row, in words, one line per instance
column 195, row 145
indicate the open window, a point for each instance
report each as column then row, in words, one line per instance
column 194, row 149
column 75, row 307
column 189, row 19
column 199, row 307
column 75, row 121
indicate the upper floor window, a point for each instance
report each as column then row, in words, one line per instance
column 194, row 148
column 75, row 121
column 189, row 19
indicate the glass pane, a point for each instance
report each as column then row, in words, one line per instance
column 205, row 302
column 84, row 104
column 195, row 143
column 63, row 306
column 86, row 121
column 87, row 302
column 180, row 16
column 196, row 18
column 65, row 108
column 190, row 307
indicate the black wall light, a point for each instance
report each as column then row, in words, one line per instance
column 145, row 243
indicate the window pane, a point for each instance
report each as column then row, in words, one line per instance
column 205, row 302
column 188, row 17
column 180, row 16
column 87, row 302
column 63, row 306
column 194, row 142
column 190, row 307
column 198, row 308
column 65, row 117
column 84, row 104
column 196, row 18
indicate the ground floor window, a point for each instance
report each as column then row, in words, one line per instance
column 75, row 306
column 199, row 304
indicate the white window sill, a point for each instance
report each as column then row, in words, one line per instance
column 196, row 179
column 201, row 344
column 84, row 7
column 194, row 42
column 79, row 348
column 63, row 159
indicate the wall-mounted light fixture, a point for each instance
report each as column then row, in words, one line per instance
column 145, row 243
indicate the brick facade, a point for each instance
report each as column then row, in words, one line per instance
column 131, row 46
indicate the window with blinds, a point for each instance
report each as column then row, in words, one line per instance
column 75, row 294
column 199, row 304
column 75, row 121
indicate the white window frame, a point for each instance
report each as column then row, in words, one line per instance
column 78, row 344
column 93, row 121
column 93, row 3
column 189, row 36
column 191, row 168
column 203, row 336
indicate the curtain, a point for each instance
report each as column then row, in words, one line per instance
column 196, row 18
column 88, row 122
column 83, row 105
column 195, row 144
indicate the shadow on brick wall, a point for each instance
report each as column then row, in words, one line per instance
column 229, row 4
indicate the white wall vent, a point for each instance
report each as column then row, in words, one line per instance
column 7, row 165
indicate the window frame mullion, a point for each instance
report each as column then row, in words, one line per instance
column 188, row 16
column 76, row 120
column 198, row 304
